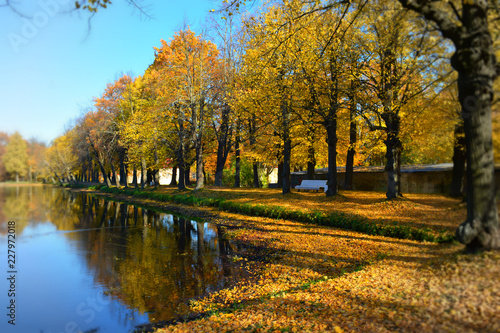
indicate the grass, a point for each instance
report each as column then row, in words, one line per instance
column 416, row 217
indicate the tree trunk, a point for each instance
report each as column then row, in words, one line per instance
column 393, row 156
column 280, row 174
column 182, row 179
column 223, row 145
column 181, row 158
column 252, row 127
column 187, row 175
column 200, row 180
column 237, row 171
column 156, row 171
column 456, row 188
column 287, row 147
column 121, row 156
column 104, row 175
column 311, row 153
column 126, row 175
column 475, row 62
column 476, row 65
column 349, row 164
column 173, row 181
column 17, row 177
column 134, row 177
column 331, row 131
column 181, row 164
column 256, row 180
column 117, row 182
column 143, row 172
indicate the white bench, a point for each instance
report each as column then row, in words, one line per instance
column 312, row 185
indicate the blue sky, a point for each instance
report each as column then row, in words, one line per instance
column 50, row 68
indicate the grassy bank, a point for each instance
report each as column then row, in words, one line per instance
column 312, row 277
column 366, row 212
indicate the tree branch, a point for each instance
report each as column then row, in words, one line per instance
column 445, row 24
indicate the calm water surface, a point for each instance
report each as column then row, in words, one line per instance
column 85, row 264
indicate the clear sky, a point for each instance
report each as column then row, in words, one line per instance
column 51, row 68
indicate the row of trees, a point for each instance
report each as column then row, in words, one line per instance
column 307, row 84
column 21, row 159
column 326, row 89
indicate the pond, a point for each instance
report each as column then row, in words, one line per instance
column 87, row 264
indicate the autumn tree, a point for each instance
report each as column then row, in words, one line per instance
column 224, row 117
column 4, row 140
column 139, row 125
column 36, row 153
column 60, row 159
column 466, row 25
column 15, row 158
column 108, row 110
column 403, row 58
column 185, row 69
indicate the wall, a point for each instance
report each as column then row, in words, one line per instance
column 414, row 179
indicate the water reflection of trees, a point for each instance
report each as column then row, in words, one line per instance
column 149, row 261
column 23, row 204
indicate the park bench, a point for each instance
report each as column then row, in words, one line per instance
column 312, row 185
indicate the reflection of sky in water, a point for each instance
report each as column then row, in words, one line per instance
column 66, row 266
column 56, row 290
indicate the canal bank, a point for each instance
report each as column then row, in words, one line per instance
column 323, row 279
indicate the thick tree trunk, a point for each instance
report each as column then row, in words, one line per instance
column 223, row 145
column 187, row 175
column 134, row 177
column 475, row 62
column 182, row 179
column 256, row 180
column 200, row 180
column 331, row 131
column 393, row 151
column 481, row 230
column 393, row 154
column 456, row 188
column 173, row 181
column 219, row 168
column 311, row 166
column 280, row 174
